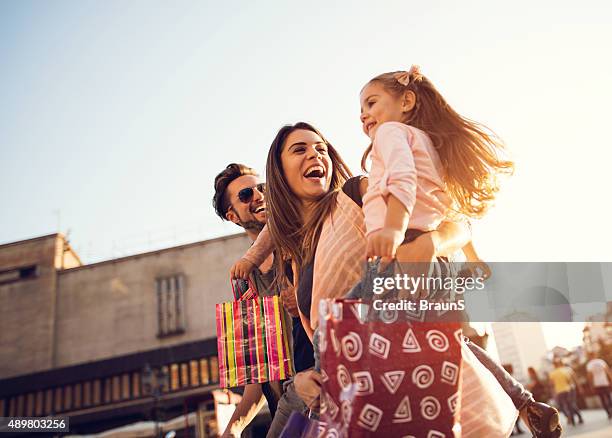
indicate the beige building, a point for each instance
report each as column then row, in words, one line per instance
column 76, row 338
column 520, row 345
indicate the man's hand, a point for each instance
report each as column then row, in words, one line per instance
column 308, row 387
column 384, row 242
column 241, row 269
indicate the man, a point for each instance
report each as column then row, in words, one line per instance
column 564, row 382
column 600, row 377
column 239, row 197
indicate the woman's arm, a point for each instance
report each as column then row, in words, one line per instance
column 249, row 406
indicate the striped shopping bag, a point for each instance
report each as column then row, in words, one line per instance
column 253, row 342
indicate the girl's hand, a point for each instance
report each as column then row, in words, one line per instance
column 241, row 269
column 308, row 387
column 384, row 242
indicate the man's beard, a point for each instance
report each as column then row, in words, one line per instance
column 254, row 226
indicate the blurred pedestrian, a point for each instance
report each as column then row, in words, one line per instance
column 563, row 384
column 600, row 378
column 539, row 388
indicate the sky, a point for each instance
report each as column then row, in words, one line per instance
column 116, row 116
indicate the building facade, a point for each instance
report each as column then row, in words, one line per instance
column 115, row 343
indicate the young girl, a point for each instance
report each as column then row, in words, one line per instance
column 428, row 162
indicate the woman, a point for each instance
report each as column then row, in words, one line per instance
column 307, row 186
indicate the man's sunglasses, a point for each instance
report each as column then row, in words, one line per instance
column 246, row 195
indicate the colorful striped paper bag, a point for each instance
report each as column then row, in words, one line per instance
column 253, row 342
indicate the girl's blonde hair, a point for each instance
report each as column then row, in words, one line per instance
column 469, row 152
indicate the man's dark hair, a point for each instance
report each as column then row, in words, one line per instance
column 229, row 174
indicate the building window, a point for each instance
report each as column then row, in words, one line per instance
column 195, row 376
column 214, row 369
column 136, row 384
column 204, row 371
column 16, row 274
column 48, row 402
column 116, row 388
column 87, row 394
column 77, row 396
column 40, row 398
column 166, row 379
column 184, row 375
column 170, row 305
column 108, row 389
column 97, row 392
column 174, row 377
column 125, row 386
column 67, row 397
column 30, row 404
column 57, row 401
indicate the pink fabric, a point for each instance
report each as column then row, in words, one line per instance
column 406, row 165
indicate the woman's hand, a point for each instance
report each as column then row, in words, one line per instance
column 241, row 269
column 422, row 249
column 308, row 387
column 415, row 258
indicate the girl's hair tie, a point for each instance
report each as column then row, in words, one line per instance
column 403, row 77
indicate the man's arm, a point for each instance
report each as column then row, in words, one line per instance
column 246, row 410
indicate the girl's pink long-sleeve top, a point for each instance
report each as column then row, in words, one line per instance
column 405, row 164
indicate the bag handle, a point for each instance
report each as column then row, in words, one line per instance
column 251, row 286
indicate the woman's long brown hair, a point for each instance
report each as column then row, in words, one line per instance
column 292, row 237
column 470, row 155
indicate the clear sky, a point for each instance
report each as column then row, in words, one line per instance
column 117, row 115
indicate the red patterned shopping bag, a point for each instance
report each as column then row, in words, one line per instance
column 386, row 375
column 253, row 342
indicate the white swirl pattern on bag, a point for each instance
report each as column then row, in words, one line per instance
column 343, row 376
column 334, row 342
column 423, row 376
column 410, row 344
column 437, row 340
column 453, row 402
column 379, row 346
column 332, row 407
column 388, row 316
column 392, row 380
column 363, row 383
column 370, row 417
column 449, row 373
column 435, row 434
column 324, row 376
column 430, row 407
column 459, row 336
column 332, row 433
column 321, row 429
column 352, row 348
column 403, row 413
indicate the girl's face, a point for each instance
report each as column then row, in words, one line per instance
column 306, row 165
column 379, row 106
